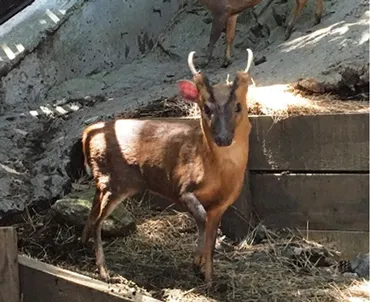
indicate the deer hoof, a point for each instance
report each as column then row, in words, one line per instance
column 227, row 62
column 208, row 282
column 103, row 272
column 288, row 32
column 317, row 20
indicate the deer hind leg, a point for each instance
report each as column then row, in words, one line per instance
column 94, row 213
column 230, row 35
column 294, row 17
column 109, row 202
column 105, row 201
column 199, row 213
column 218, row 24
column 319, row 10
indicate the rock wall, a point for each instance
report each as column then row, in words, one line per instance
column 95, row 36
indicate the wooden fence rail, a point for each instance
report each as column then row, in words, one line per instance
column 9, row 278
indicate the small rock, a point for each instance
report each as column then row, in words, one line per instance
column 260, row 60
column 74, row 209
column 360, row 265
column 350, row 275
column 312, row 85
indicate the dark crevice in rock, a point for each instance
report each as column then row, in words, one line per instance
column 75, row 167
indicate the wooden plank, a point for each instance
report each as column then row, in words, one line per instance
column 325, row 201
column 43, row 282
column 9, row 281
column 348, row 243
column 337, row 142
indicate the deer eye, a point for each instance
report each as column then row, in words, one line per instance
column 207, row 110
column 238, row 107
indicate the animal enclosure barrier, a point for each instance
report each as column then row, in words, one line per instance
column 29, row 280
column 310, row 173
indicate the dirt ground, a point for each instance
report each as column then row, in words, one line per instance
column 36, row 140
column 156, row 260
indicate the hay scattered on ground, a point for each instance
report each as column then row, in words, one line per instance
column 282, row 101
column 157, row 258
column 278, row 101
column 166, row 107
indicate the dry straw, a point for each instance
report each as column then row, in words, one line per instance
column 156, row 260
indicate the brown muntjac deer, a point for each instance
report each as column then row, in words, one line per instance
column 226, row 12
column 199, row 163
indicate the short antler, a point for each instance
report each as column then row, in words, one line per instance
column 191, row 64
column 250, row 60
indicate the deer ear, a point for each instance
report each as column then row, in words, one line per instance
column 188, row 90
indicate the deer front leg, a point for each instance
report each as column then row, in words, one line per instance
column 214, row 216
column 319, row 10
column 294, row 17
column 199, row 213
column 230, row 35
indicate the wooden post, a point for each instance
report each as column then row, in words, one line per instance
column 9, row 276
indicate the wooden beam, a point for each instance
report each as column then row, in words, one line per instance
column 324, row 201
column 337, row 142
column 43, row 282
column 9, row 279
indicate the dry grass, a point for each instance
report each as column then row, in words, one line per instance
column 282, row 101
column 278, row 101
column 156, row 259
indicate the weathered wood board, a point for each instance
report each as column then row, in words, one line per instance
column 9, row 279
column 338, row 142
column 41, row 282
column 324, row 201
column 316, row 144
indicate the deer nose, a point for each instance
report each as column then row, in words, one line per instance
column 223, row 141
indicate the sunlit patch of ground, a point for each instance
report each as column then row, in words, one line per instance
column 282, row 101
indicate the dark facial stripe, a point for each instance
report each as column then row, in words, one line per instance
column 208, row 87
column 234, row 87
